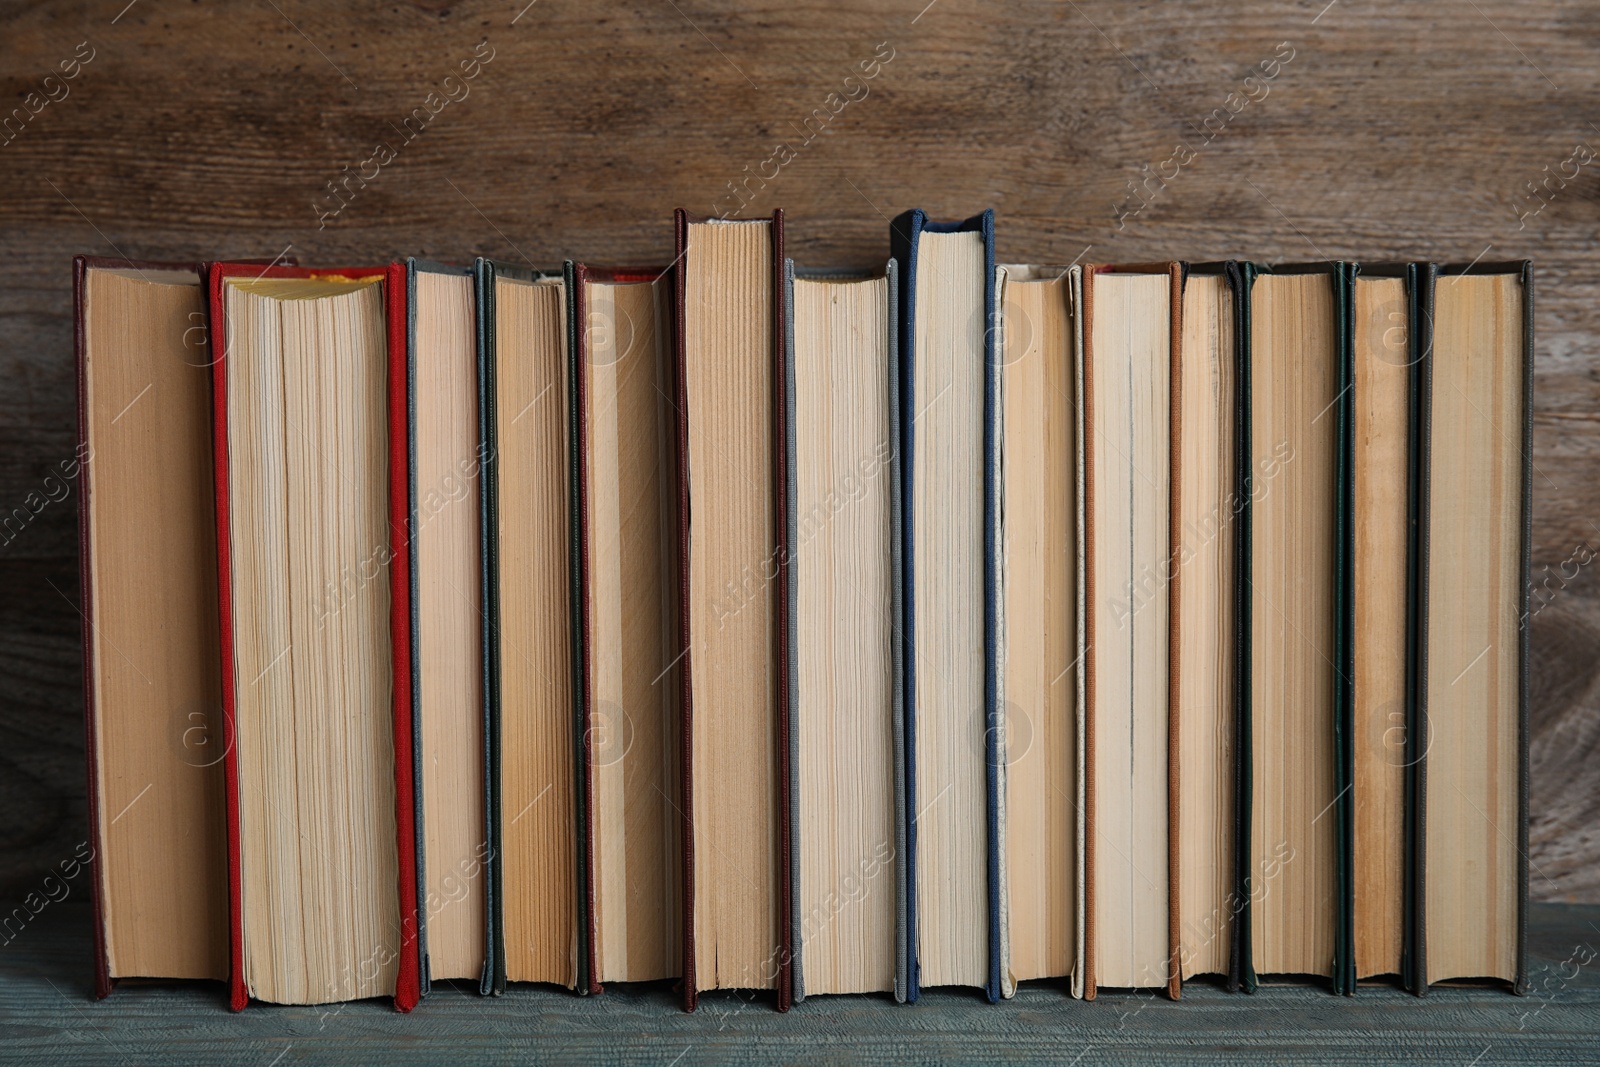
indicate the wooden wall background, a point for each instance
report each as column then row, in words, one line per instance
column 1397, row 130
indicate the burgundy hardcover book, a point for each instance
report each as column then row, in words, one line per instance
column 155, row 855
column 730, row 314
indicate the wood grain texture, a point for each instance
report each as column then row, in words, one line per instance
column 1406, row 129
column 46, row 1017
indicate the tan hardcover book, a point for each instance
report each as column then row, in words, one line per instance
column 536, row 699
column 1293, row 865
column 1131, row 371
column 152, row 688
column 842, row 627
column 1472, row 768
column 629, row 620
column 447, row 639
column 1204, row 559
column 1039, row 648
column 1380, row 483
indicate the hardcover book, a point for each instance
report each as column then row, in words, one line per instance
column 1131, row 358
column 152, row 693
column 627, row 610
column 446, row 467
column 730, row 321
column 1038, row 653
column 1205, row 668
column 1383, row 568
column 1296, row 797
column 954, row 722
column 847, row 821
column 309, row 392
column 1467, row 741
column 531, row 683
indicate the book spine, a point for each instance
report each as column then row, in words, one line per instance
column 493, row 980
column 1420, row 281
column 424, row 975
column 91, row 748
column 1520, row 983
column 994, row 723
column 781, row 546
column 1174, row 636
column 1236, row 927
column 1342, row 277
column 1244, row 768
column 1080, row 967
column 1086, row 406
column 408, row 979
column 575, row 278
column 238, row 994
column 686, row 687
column 791, row 691
column 896, row 644
column 903, row 234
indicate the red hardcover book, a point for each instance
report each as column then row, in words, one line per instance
column 390, row 281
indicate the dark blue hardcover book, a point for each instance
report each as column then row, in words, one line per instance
column 949, row 462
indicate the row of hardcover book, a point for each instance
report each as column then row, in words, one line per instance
column 754, row 627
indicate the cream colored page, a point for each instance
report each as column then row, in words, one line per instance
column 450, row 622
column 1474, row 553
column 636, row 822
column 947, row 519
column 308, row 453
column 1294, row 386
column 728, row 371
column 1131, row 345
column 1040, row 560
column 154, row 643
column 1206, row 676
column 537, row 785
column 1379, row 484
column 842, row 622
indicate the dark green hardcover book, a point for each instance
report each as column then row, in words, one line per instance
column 443, row 443
column 1468, row 733
column 1296, row 791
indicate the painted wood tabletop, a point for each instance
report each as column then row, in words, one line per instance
column 47, row 1016
column 1408, row 129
